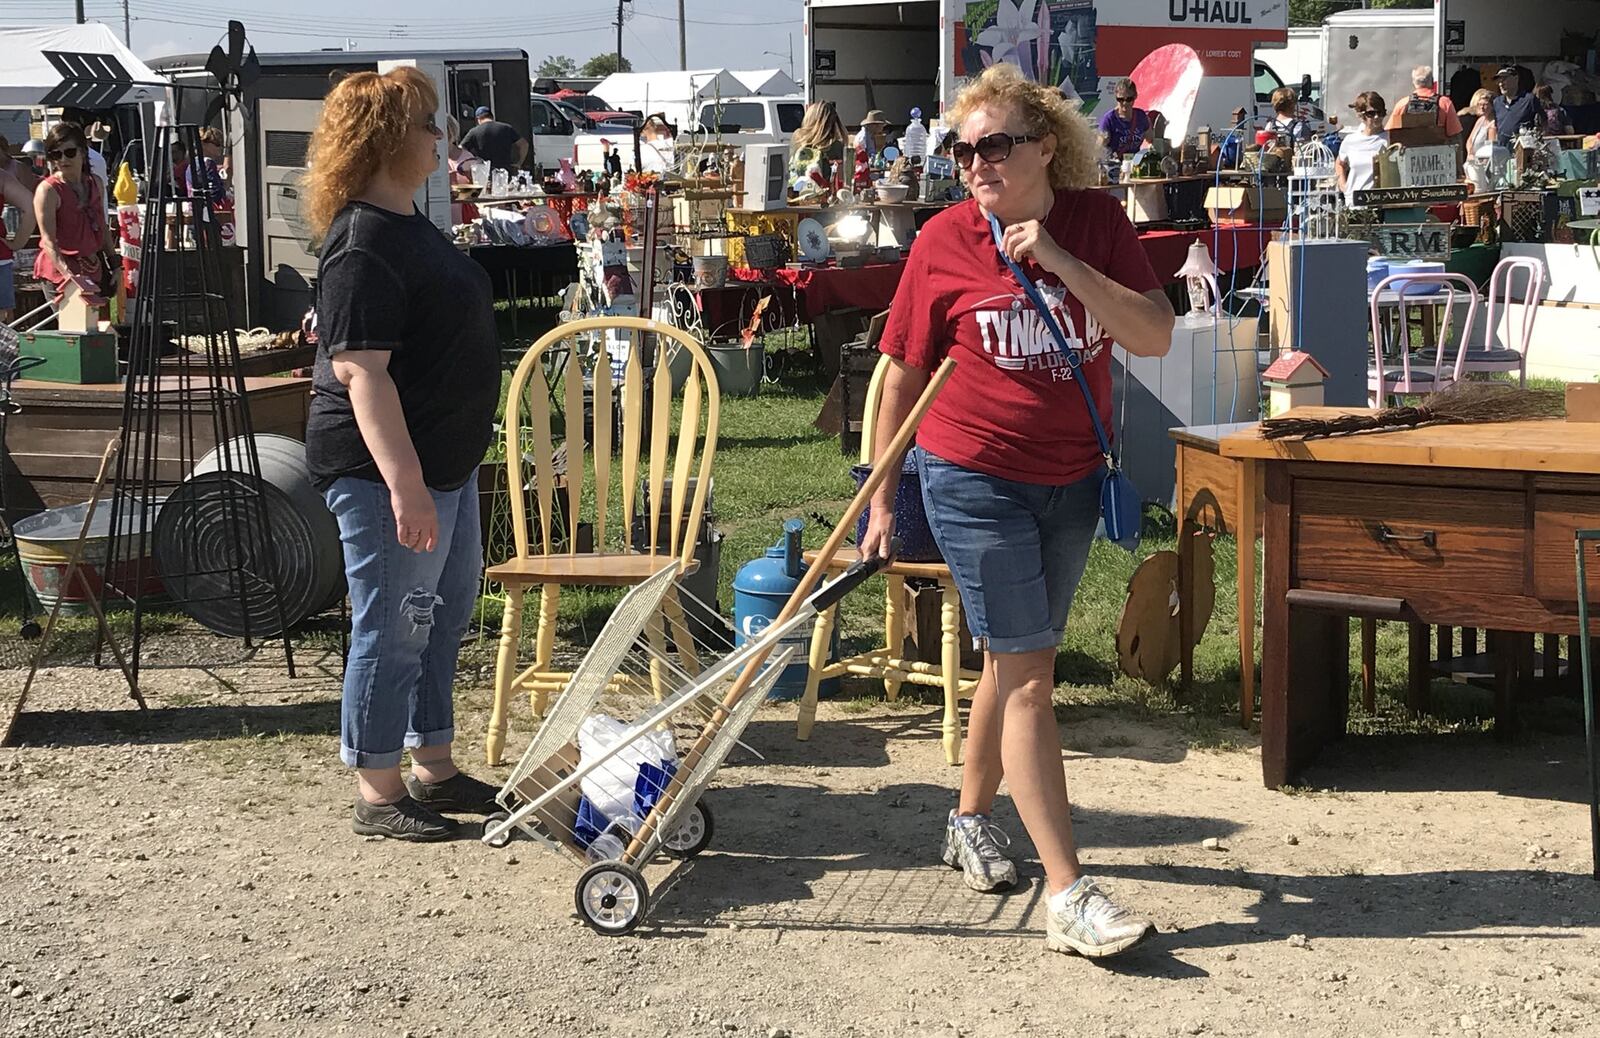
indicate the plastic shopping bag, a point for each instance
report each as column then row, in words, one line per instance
column 623, row 789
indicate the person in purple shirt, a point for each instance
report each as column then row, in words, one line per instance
column 1124, row 128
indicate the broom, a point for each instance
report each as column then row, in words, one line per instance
column 1465, row 403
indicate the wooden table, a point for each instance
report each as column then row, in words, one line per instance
column 1468, row 526
column 1217, row 494
column 56, row 440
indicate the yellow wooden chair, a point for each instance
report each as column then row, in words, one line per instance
column 613, row 562
column 887, row 661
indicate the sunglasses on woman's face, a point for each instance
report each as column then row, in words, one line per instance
column 430, row 124
column 58, row 154
column 993, row 149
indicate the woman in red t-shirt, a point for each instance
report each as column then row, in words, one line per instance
column 1010, row 466
column 72, row 214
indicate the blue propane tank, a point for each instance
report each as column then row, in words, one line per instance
column 760, row 589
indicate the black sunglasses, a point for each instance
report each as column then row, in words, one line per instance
column 1126, row 100
column 430, row 124
column 61, row 153
column 992, row 149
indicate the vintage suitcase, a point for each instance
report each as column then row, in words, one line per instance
column 79, row 358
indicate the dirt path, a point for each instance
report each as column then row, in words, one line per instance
column 193, row 872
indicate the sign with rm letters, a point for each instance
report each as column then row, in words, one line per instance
column 1432, row 166
column 1429, row 241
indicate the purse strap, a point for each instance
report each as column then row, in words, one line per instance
column 1074, row 356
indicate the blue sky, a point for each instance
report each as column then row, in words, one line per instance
column 721, row 33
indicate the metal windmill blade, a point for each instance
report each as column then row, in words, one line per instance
column 234, row 69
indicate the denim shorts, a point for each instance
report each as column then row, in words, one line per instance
column 1016, row 550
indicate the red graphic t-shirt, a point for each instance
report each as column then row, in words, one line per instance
column 1010, row 409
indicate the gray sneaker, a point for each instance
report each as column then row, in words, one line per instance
column 972, row 844
column 1091, row 924
column 405, row 819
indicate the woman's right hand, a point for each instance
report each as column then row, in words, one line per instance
column 880, row 533
column 416, row 521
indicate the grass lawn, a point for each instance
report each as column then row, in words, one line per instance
column 772, row 464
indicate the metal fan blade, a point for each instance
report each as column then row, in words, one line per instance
column 250, row 71
column 217, row 65
column 235, row 44
column 214, row 109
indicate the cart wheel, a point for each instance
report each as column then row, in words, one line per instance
column 692, row 834
column 612, row 898
column 499, row 839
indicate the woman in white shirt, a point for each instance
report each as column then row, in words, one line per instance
column 1358, row 153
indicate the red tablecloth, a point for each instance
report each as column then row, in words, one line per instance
column 819, row 290
column 824, row 289
column 1231, row 248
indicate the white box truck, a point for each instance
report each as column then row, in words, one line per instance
column 893, row 56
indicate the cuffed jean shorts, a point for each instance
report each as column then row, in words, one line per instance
column 408, row 611
column 1015, row 550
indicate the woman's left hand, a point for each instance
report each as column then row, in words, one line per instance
column 1029, row 240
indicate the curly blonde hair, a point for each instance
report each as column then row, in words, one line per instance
column 364, row 123
column 1042, row 110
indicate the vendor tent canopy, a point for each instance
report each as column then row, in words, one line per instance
column 678, row 94
column 768, row 82
column 75, row 66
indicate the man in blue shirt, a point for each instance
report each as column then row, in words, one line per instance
column 1513, row 109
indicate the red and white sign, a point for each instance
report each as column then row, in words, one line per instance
column 1224, row 33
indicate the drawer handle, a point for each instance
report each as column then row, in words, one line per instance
column 1388, row 536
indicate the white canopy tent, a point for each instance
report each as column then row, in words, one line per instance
column 78, row 66
column 676, row 94
column 768, row 82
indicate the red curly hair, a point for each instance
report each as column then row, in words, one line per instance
column 364, row 123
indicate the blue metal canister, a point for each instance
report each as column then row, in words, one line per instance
column 760, row 589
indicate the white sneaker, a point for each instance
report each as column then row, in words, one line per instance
column 1089, row 923
column 972, row 844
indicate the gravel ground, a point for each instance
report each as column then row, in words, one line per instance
column 191, row 871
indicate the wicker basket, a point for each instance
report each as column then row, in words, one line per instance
column 1479, row 214
column 765, row 251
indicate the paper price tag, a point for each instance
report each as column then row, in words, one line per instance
column 1589, row 201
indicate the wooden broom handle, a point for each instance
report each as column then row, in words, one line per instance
column 808, row 582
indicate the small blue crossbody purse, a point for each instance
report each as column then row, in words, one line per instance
column 1121, row 511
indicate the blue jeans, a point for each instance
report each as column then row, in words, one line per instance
column 1016, row 550
column 408, row 611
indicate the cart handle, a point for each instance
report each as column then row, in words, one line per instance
column 852, row 578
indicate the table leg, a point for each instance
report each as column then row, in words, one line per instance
column 950, row 664
column 894, row 631
column 821, row 634
column 1189, row 535
column 1369, row 664
column 1245, row 541
column 1507, row 648
column 1305, row 660
column 1419, row 672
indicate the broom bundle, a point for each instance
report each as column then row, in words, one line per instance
column 1465, row 403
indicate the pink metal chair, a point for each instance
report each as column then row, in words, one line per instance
column 1407, row 376
column 1511, row 354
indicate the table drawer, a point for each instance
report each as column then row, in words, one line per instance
column 1556, row 518
column 1388, row 537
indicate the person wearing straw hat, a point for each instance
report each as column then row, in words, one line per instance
column 1008, row 456
column 872, row 137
